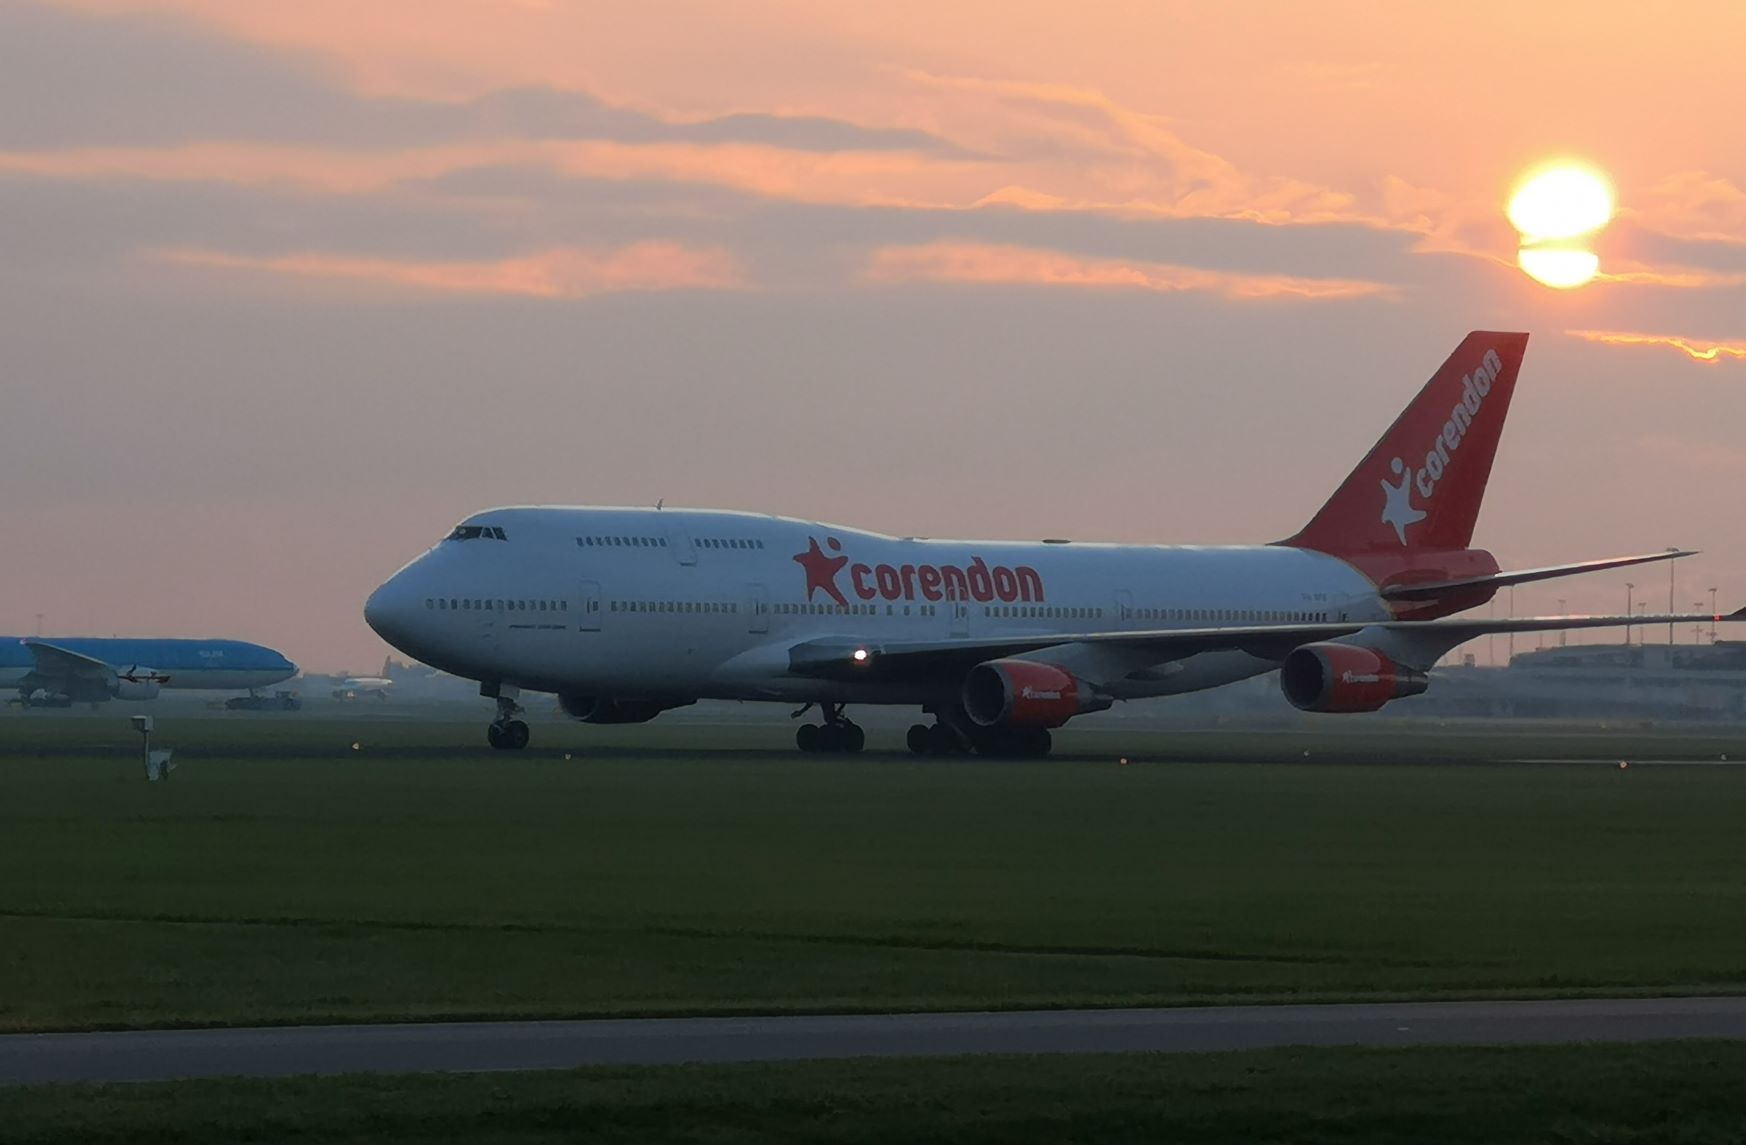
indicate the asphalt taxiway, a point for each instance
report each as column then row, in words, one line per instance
column 451, row 1047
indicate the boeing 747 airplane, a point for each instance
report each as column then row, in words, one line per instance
column 627, row 612
column 49, row 671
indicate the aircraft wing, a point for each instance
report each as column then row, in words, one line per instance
column 56, row 663
column 843, row 658
column 1432, row 590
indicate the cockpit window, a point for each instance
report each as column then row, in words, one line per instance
column 476, row 532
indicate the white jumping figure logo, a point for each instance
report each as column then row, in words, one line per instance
column 1397, row 504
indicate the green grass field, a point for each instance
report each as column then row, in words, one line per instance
column 282, row 876
column 1686, row 1092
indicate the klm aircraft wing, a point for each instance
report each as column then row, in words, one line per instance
column 54, row 663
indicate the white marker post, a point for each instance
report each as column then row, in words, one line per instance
column 157, row 763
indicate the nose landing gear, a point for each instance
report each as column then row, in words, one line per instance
column 507, row 733
column 836, row 733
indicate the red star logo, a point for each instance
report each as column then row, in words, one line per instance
column 821, row 571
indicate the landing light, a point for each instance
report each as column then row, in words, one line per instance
column 860, row 655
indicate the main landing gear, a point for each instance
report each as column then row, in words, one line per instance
column 506, row 732
column 836, row 733
column 954, row 734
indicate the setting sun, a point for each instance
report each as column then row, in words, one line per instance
column 1558, row 266
column 1561, row 202
column 1552, row 208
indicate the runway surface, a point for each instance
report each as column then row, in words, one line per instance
column 490, row 1046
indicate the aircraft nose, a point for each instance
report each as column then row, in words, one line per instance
column 389, row 611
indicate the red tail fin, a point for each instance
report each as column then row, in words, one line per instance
column 1420, row 486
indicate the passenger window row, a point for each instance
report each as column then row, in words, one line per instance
column 621, row 542
column 707, row 606
column 729, row 543
column 475, row 604
column 1044, row 611
column 1226, row 615
column 849, row 610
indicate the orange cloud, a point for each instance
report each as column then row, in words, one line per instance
column 988, row 264
column 566, row 272
column 1682, row 279
column 1697, row 350
column 1693, row 205
column 1311, row 99
column 858, row 178
column 1038, row 143
column 1112, row 157
column 307, row 168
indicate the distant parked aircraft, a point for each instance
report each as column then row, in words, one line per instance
column 54, row 671
column 355, row 687
column 625, row 613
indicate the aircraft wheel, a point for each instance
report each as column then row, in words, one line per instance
column 849, row 738
column 1037, row 742
column 514, row 735
column 997, row 743
column 494, row 735
column 918, row 739
column 941, row 740
column 809, row 737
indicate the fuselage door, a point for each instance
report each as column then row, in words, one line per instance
column 757, row 606
column 959, row 610
column 679, row 543
column 589, row 607
column 1124, row 602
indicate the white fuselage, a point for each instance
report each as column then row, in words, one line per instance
column 688, row 604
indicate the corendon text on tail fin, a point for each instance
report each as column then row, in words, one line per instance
column 1420, row 486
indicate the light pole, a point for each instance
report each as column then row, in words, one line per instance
column 1670, row 549
column 1712, row 614
column 1562, row 632
column 1512, row 648
column 1629, row 588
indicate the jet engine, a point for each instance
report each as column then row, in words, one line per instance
column 1026, row 694
column 137, row 683
column 611, row 710
column 1345, row 678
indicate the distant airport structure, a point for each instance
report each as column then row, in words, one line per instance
column 56, row 671
column 1694, row 680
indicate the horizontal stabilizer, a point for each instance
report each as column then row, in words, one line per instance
column 1525, row 576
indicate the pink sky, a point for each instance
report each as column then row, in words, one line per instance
column 289, row 288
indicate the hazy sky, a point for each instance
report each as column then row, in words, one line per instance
column 286, row 289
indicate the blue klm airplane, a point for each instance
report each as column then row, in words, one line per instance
column 56, row 671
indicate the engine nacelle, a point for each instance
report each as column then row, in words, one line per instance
column 1345, row 678
column 1026, row 694
column 609, row 710
column 138, row 683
